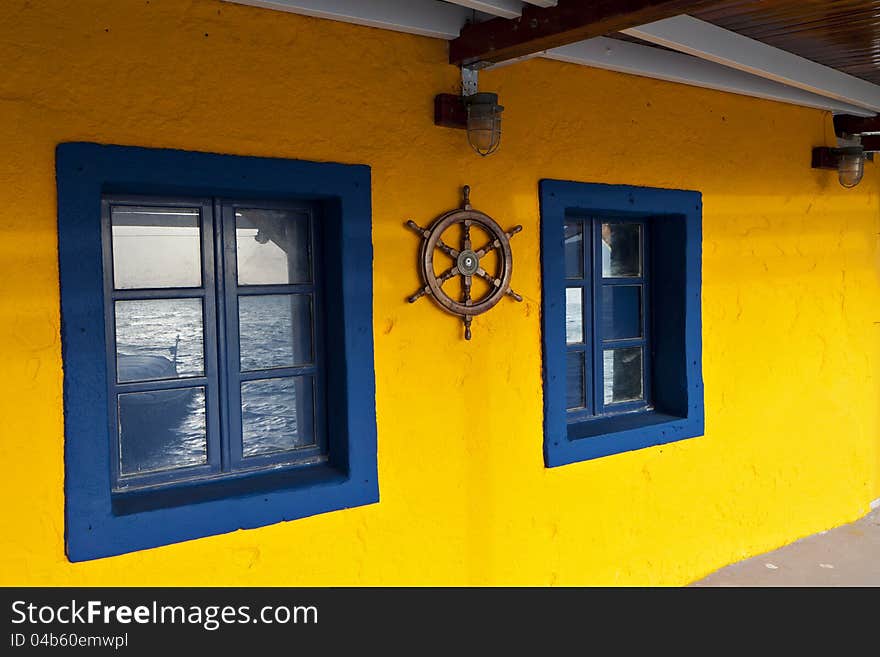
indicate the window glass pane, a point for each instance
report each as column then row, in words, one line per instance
column 574, row 315
column 156, row 247
column 574, row 380
column 621, row 250
column 574, row 250
column 159, row 339
column 275, row 330
column 162, row 430
column 621, row 312
column 272, row 247
column 623, row 374
column 277, row 415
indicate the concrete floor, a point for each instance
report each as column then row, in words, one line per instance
column 844, row 556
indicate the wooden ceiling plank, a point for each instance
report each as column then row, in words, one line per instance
column 707, row 41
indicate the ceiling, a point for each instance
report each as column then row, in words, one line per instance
column 842, row 34
column 816, row 53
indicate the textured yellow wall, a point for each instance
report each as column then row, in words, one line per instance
column 790, row 301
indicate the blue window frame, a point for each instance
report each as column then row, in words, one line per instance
column 621, row 318
column 252, row 400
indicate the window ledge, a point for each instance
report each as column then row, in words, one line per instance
column 614, row 424
column 255, row 484
column 592, row 439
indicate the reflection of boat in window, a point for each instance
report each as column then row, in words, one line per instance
column 149, row 421
column 139, row 367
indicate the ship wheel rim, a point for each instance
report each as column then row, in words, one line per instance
column 429, row 248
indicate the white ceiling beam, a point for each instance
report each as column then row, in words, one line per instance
column 502, row 8
column 701, row 39
column 626, row 57
column 431, row 18
column 543, row 3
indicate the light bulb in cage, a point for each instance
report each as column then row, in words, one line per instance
column 850, row 166
column 848, row 161
column 483, row 122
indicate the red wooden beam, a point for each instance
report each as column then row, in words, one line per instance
column 541, row 28
column 846, row 124
column 871, row 143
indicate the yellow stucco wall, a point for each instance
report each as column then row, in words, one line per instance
column 790, row 301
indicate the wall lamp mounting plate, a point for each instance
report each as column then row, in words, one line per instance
column 450, row 111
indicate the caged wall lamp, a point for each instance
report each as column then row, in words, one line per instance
column 477, row 112
column 848, row 161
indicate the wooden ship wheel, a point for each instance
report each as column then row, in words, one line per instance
column 467, row 262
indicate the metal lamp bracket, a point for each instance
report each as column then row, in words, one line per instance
column 450, row 110
column 469, row 81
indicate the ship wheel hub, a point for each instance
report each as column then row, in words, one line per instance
column 468, row 262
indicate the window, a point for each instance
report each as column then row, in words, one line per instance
column 607, row 360
column 171, row 354
column 217, row 343
column 621, row 318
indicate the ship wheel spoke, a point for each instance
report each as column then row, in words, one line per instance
column 494, row 244
column 466, row 297
column 445, row 276
column 466, row 237
column 494, row 282
column 448, row 250
column 418, row 295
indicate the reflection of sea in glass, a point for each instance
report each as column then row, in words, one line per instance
column 621, row 251
column 622, row 374
column 272, row 247
column 166, row 429
column 574, row 315
column 275, row 330
column 155, row 247
column 574, row 380
column 277, row 415
column 159, row 339
column 161, row 430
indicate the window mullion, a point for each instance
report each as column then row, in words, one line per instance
column 647, row 356
column 587, row 313
column 595, row 270
column 209, row 338
column 222, row 352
